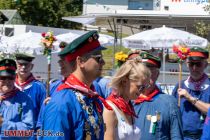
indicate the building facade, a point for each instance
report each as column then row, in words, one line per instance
column 132, row 16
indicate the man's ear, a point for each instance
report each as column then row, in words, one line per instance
column 80, row 61
column 206, row 64
column 32, row 66
column 158, row 72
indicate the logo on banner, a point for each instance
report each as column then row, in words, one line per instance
column 192, row 1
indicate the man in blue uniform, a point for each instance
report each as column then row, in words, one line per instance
column 195, row 93
column 75, row 112
column 66, row 68
column 16, row 108
column 206, row 127
column 158, row 113
column 26, row 82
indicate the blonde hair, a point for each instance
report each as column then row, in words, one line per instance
column 132, row 69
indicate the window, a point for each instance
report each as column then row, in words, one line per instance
column 9, row 31
column 140, row 5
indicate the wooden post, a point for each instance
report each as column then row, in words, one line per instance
column 47, row 41
column 48, row 72
column 180, row 80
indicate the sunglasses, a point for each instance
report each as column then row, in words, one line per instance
column 142, row 87
column 98, row 58
column 23, row 64
column 7, row 78
column 197, row 64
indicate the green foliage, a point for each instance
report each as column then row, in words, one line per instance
column 7, row 4
column 45, row 12
column 202, row 29
column 109, row 54
column 207, row 8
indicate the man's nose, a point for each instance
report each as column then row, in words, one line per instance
column 102, row 62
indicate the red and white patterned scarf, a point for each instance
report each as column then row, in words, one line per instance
column 9, row 94
column 198, row 84
column 148, row 98
column 122, row 104
column 23, row 84
column 73, row 83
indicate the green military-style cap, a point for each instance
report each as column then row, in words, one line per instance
column 198, row 53
column 150, row 60
column 7, row 67
column 62, row 45
column 24, row 58
column 82, row 45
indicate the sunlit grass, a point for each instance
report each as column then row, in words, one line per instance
column 109, row 57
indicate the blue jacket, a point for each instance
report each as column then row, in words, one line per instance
column 18, row 114
column 102, row 87
column 192, row 118
column 65, row 114
column 37, row 92
column 169, row 127
column 206, row 127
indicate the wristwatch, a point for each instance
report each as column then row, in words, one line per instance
column 194, row 101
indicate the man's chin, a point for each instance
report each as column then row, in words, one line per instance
column 97, row 75
column 22, row 73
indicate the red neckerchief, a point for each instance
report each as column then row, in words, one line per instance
column 28, row 80
column 148, row 98
column 73, row 83
column 9, row 94
column 64, row 79
column 122, row 104
column 197, row 84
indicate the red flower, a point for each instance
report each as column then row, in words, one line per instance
column 182, row 51
column 43, row 34
column 175, row 48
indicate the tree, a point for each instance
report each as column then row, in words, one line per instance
column 202, row 29
column 45, row 12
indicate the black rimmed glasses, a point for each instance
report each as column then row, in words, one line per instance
column 197, row 64
column 142, row 87
column 98, row 58
column 23, row 64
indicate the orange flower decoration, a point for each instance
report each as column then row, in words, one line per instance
column 48, row 39
column 182, row 51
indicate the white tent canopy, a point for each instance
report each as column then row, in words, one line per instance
column 163, row 37
column 66, row 37
column 82, row 20
column 105, row 40
column 4, row 43
column 30, row 42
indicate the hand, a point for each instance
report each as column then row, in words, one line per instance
column 184, row 93
column 46, row 101
column 1, row 120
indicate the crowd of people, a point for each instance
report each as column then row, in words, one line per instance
column 83, row 105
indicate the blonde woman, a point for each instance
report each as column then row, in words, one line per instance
column 128, row 83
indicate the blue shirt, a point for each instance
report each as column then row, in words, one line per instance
column 192, row 118
column 17, row 113
column 53, row 87
column 37, row 92
column 53, row 91
column 206, row 127
column 65, row 114
column 101, row 86
column 168, row 127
